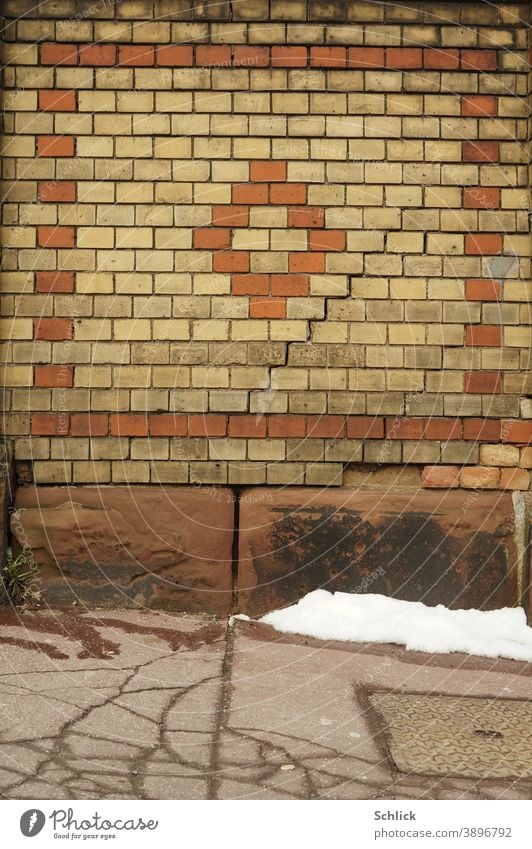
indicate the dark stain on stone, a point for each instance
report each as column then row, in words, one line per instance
column 83, row 630
column 174, row 638
column 411, row 557
column 63, row 625
column 34, row 645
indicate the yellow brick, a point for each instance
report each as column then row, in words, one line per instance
column 132, row 329
column 406, row 334
column 96, row 101
column 212, row 329
column 289, row 330
column 251, row 148
column 16, row 328
column 249, row 330
column 95, row 237
column 404, row 242
column 142, row 101
column 18, row 376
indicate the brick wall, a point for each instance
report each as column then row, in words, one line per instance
column 258, row 242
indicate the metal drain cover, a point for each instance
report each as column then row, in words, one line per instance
column 450, row 735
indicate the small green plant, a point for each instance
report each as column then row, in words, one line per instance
column 16, row 577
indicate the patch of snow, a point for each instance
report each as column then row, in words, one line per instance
column 238, row 617
column 374, row 618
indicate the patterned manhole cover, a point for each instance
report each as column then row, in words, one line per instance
column 449, row 735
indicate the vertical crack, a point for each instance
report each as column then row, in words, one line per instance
column 223, row 706
column 234, row 552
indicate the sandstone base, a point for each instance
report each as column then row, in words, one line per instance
column 452, row 548
column 171, row 547
column 167, row 547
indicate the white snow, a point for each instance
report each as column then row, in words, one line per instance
column 378, row 619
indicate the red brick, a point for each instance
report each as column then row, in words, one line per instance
column 289, row 193
column 49, row 424
column 482, row 430
column 252, row 57
column 514, row 479
column 365, row 427
column 441, row 60
column 129, row 424
column 312, row 216
column 404, row 57
column 484, row 335
column 486, row 244
column 250, row 193
column 54, row 376
column 440, row 477
column 208, row 55
column 230, row 216
column 247, row 426
column 53, row 329
column 175, row 55
column 212, row 239
column 290, row 285
column 404, row 428
column 168, row 425
column 480, row 151
column 327, row 57
column 519, row 433
column 289, row 57
column 267, row 172
column 54, row 281
column 479, row 105
column 326, row 427
column 89, row 424
column 231, row 261
column 479, row 477
column 136, row 55
column 478, row 60
column 59, row 54
column 55, row 146
column 483, row 290
column 327, row 240
column 56, row 237
column 267, row 308
column 287, row 426
column 307, row 263
column 57, row 100
column 483, row 382
column 366, row 57
column 63, row 191
column 479, row 197
column 250, row 284
column 207, row 425
column 98, row 55
column 444, row 429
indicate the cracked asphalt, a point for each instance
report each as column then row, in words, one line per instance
column 157, row 705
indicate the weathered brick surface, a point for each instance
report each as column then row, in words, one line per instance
column 258, row 243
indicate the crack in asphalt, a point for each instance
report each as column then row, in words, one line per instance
column 163, row 728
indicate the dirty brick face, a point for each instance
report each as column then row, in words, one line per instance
column 259, row 248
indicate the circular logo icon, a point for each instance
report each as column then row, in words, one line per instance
column 32, row 822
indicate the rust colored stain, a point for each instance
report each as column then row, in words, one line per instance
column 34, row 645
column 83, row 630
